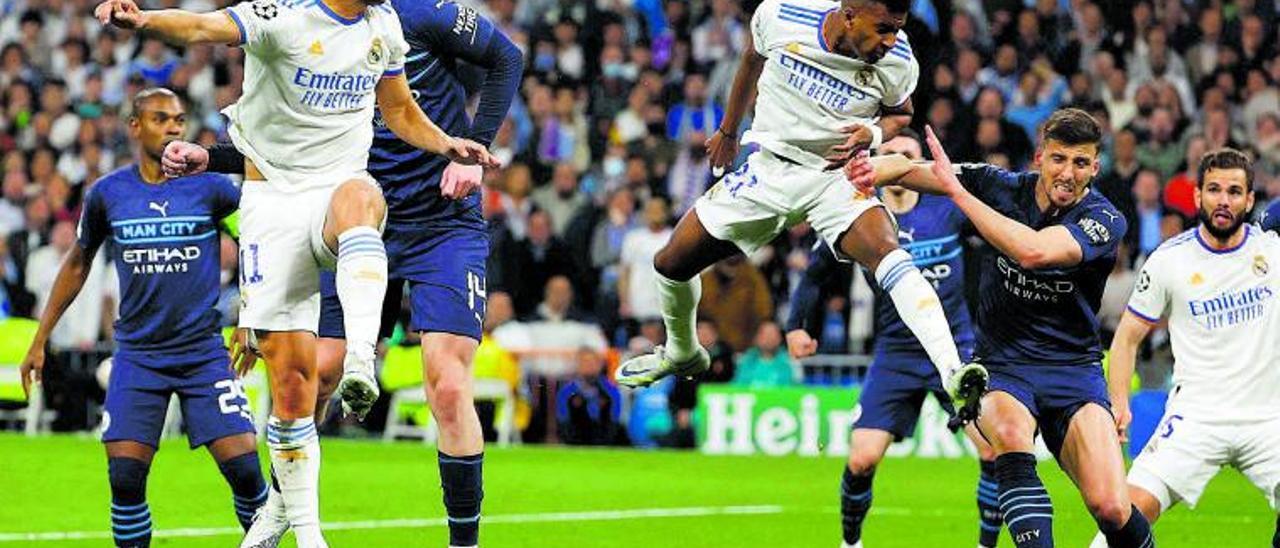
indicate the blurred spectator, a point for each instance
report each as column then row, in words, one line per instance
column 588, row 405
column 1115, row 296
column 12, row 197
column 684, row 395
column 1179, row 192
column 560, row 199
column 513, row 199
column 691, row 174
column 697, row 112
column 1150, row 211
column 767, row 363
column 735, row 297
column 90, row 316
column 1003, row 75
column 637, row 280
column 1040, row 92
column 607, row 236
column 1000, row 134
column 1160, row 151
column 228, row 282
column 536, row 259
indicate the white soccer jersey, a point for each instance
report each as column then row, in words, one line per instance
column 305, row 117
column 1224, row 319
column 806, row 93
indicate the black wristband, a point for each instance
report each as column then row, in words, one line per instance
column 224, row 158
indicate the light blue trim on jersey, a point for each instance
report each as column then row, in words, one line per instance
column 417, row 56
column 939, row 259
column 1144, row 317
column 333, row 14
column 244, row 36
column 933, row 241
column 805, row 22
column 196, row 218
column 423, row 72
column 802, row 10
column 170, row 239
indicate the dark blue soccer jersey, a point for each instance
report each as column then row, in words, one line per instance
column 930, row 232
column 443, row 37
column 1047, row 316
column 1271, row 217
column 165, row 248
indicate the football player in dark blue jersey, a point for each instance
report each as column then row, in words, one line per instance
column 1053, row 242
column 1270, row 219
column 164, row 244
column 901, row 375
column 435, row 237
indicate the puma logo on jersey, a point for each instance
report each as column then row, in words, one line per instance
column 162, row 208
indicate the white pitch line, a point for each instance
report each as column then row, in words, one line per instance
column 552, row 517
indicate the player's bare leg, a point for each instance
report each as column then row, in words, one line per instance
column 872, row 241
column 1151, row 506
column 990, row 519
column 128, row 463
column 353, row 230
column 678, row 264
column 866, row 449
column 291, row 432
column 1091, row 455
column 446, row 364
column 329, row 355
column 1010, row 428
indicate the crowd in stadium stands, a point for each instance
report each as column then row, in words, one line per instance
column 604, row 150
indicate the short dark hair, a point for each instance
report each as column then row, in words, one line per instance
column 1225, row 158
column 1072, row 126
column 894, row 6
column 148, row 94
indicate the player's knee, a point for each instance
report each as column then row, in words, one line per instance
column 448, row 396
column 862, row 463
column 667, row 263
column 1011, row 436
column 128, row 476
column 1111, row 511
column 358, row 203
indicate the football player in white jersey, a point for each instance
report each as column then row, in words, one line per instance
column 832, row 80
column 1220, row 285
column 313, row 72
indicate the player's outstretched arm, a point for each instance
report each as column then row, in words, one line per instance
column 405, row 118
column 171, row 25
column 722, row 146
column 1120, row 367
column 71, row 277
column 1049, row 247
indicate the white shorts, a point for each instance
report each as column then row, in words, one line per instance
column 1184, row 454
column 767, row 195
column 282, row 251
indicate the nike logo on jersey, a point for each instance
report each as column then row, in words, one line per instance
column 161, row 207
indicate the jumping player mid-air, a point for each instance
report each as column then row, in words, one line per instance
column 831, row 80
column 1053, row 243
column 164, row 235
column 313, row 71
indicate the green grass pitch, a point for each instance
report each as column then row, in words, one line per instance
column 377, row 494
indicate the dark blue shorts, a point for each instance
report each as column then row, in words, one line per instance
column 894, row 390
column 214, row 404
column 445, row 274
column 1052, row 393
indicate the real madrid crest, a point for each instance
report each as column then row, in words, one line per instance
column 1260, row 266
column 375, row 52
column 864, row 76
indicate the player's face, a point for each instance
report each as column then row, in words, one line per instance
column 1065, row 171
column 1223, row 201
column 159, row 121
column 870, row 32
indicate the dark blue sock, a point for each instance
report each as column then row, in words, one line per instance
column 989, row 517
column 1023, row 501
column 130, row 516
column 855, row 501
column 1275, row 538
column 248, row 490
column 463, row 482
column 1136, row 533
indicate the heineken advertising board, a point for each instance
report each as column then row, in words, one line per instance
column 807, row 420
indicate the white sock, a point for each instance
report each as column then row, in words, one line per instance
column 361, row 283
column 919, row 308
column 295, row 458
column 1099, row 541
column 680, row 315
